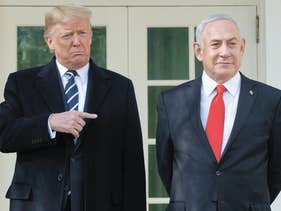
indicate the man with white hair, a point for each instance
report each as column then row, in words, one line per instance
column 219, row 136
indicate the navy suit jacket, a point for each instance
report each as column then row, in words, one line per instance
column 248, row 176
column 113, row 165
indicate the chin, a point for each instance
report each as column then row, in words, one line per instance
column 225, row 69
column 80, row 60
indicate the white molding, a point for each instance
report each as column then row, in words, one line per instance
column 158, row 200
column 262, row 45
column 129, row 2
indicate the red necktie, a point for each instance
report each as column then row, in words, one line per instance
column 215, row 122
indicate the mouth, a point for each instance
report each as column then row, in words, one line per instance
column 224, row 63
column 77, row 53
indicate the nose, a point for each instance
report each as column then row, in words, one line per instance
column 224, row 50
column 76, row 40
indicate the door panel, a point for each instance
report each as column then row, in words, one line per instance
column 33, row 51
column 22, row 46
column 24, row 21
column 161, row 56
column 151, row 45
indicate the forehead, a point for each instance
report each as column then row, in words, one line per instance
column 221, row 29
column 74, row 24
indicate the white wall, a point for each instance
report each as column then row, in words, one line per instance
column 273, row 54
column 273, row 42
column 271, row 49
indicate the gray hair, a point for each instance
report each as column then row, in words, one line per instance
column 202, row 25
column 64, row 14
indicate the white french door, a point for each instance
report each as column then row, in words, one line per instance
column 19, row 39
column 161, row 56
column 150, row 45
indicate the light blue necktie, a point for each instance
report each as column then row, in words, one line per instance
column 71, row 91
column 76, row 183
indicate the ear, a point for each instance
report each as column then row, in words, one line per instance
column 243, row 45
column 91, row 39
column 50, row 42
column 198, row 51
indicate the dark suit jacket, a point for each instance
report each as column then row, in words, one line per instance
column 248, row 177
column 113, row 165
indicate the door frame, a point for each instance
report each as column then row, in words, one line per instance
column 261, row 59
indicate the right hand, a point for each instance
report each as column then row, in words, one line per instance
column 70, row 121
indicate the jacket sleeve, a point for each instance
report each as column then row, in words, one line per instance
column 164, row 145
column 274, row 171
column 17, row 131
column 134, row 171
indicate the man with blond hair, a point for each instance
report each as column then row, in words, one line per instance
column 74, row 126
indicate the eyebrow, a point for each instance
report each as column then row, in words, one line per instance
column 233, row 39
column 229, row 40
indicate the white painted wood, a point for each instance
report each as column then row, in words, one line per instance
column 272, row 46
column 141, row 18
column 117, row 51
column 131, row 2
column 115, row 20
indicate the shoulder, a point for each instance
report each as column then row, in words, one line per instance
column 25, row 75
column 187, row 87
column 114, row 77
column 265, row 93
column 262, row 88
column 27, row 72
column 33, row 72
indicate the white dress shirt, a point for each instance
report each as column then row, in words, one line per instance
column 230, row 97
column 81, row 81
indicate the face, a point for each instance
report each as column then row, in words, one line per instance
column 71, row 43
column 222, row 50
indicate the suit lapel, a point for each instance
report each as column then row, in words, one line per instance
column 245, row 103
column 48, row 84
column 99, row 84
column 193, row 101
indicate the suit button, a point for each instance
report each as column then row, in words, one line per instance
column 60, row 177
column 66, row 188
column 218, row 173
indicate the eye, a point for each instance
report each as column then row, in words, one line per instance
column 233, row 44
column 83, row 33
column 66, row 36
column 215, row 44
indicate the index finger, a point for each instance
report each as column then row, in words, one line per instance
column 88, row 115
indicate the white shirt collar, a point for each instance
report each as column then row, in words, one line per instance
column 232, row 85
column 82, row 72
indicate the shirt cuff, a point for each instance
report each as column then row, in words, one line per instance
column 51, row 132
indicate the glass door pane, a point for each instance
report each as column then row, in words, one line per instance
column 33, row 51
column 22, row 46
column 168, row 53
